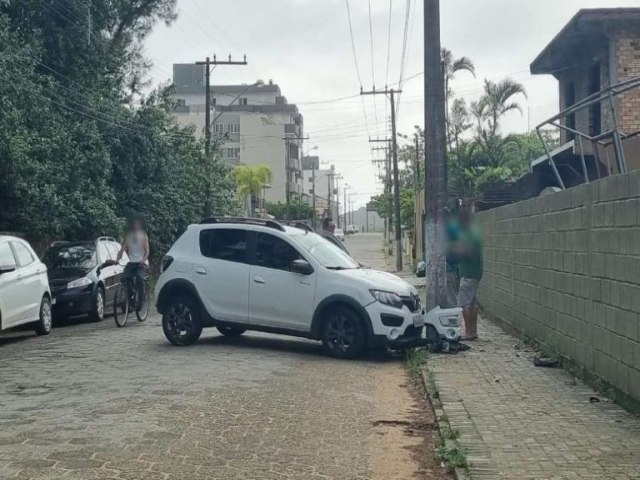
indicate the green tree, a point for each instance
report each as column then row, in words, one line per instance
column 452, row 66
column 251, row 180
column 80, row 148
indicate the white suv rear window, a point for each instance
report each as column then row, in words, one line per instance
column 228, row 244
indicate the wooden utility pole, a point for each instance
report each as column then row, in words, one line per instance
column 435, row 156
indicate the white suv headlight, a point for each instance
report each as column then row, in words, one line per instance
column 387, row 298
column 81, row 282
column 450, row 321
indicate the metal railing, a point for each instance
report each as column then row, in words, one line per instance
column 615, row 135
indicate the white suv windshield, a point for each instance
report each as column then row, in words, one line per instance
column 325, row 252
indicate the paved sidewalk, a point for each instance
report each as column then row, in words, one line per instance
column 522, row 422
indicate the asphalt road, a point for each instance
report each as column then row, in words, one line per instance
column 91, row 401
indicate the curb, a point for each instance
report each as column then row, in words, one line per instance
column 439, row 413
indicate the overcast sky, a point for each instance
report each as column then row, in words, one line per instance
column 305, row 47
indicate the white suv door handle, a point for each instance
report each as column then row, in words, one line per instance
column 258, row 280
column 201, row 271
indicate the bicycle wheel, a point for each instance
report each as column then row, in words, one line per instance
column 121, row 306
column 142, row 310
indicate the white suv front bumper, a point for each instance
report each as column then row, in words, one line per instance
column 397, row 327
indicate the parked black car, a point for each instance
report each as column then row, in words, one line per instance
column 78, row 287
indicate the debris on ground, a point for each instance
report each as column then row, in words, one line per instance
column 547, row 362
column 594, row 400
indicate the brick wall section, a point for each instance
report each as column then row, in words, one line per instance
column 628, row 64
column 565, row 269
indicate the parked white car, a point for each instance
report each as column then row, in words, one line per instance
column 24, row 287
column 247, row 274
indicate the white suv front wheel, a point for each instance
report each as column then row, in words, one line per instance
column 343, row 334
column 181, row 321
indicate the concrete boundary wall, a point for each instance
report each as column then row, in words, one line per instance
column 565, row 270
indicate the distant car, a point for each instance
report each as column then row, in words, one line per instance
column 339, row 234
column 351, row 229
column 78, row 286
column 24, row 290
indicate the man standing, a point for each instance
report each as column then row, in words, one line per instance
column 328, row 227
column 469, row 254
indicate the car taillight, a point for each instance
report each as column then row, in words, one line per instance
column 166, row 263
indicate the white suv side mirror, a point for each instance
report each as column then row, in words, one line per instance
column 8, row 268
column 302, row 267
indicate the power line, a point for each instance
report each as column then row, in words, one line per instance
column 386, row 80
column 355, row 59
column 404, row 53
column 353, row 43
column 373, row 67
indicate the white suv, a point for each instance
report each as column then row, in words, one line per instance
column 249, row 274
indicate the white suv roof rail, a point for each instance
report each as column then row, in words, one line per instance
column 106, row 239
column 243, row 221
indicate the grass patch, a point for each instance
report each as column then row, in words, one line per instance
column 452, row 454
column 416, row 360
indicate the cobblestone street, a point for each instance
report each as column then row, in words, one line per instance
column 91, row 401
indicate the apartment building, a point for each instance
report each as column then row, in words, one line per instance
column 254, row 123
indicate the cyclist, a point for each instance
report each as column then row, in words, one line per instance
column 136, row 244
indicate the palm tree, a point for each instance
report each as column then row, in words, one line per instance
column 497, row 101
column 451, row 66
column 251, row 180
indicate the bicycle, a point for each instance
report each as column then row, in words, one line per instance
column 131, row 294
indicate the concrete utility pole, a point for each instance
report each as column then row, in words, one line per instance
column 396, row 175
column 435, row 156
column 388, row 191
column 207, row 101
column 330, row 177
column 386, row 180
column 287, row 171
column 351, row 212
column 416, row 168
column 345, row 204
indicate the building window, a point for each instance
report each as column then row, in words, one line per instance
column 233, row 127
column 181, row 102
column 218, row 128
column 232, row 153
column 243, row 101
